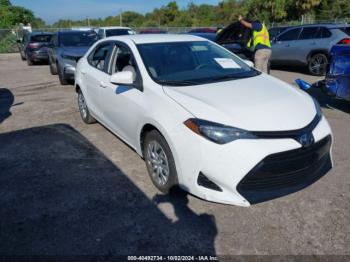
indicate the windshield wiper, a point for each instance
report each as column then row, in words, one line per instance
column 230, row 77
column 178, row 83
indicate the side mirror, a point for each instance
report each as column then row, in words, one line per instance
column 122, row 78
column 249, row 63
column 18, row 41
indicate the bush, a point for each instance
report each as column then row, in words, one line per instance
column 8, row 42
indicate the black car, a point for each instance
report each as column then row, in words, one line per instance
column 235, row 38
column 33, row 47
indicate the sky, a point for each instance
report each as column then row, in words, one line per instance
column 53, row 10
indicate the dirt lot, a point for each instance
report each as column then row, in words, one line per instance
column 71, row 188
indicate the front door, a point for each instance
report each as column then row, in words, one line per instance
column 123, row 104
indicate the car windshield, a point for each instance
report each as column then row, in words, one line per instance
column 116, row 32
column 78, row 39
column 192, row 63
column 41, row 38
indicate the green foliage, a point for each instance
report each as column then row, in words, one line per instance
column 7, row 42
column 11, row 16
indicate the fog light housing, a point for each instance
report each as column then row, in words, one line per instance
column 205, row 182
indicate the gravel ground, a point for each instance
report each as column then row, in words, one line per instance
column 70, row 188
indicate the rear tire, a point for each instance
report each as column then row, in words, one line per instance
column 23, row 58
column 318, row 64
column 84, row 110
column 61, row 76
column 159, row 161
column 53, row 68
column 29, row 61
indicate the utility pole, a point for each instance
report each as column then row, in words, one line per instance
column 121, row 17
column 88, row 20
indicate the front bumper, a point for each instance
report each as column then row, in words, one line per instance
column 229, row 165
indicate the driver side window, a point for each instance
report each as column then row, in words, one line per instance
column 100, row 57
column 124, row 61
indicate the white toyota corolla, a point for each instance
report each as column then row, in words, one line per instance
column 204, row 119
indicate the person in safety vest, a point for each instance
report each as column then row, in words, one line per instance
column 260, row 43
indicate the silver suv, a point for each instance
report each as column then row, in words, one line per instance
column 308, row 45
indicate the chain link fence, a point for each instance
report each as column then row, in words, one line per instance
column 8, row 36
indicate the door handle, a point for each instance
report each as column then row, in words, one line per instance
column 287, row 45
column 103, row 85
column 83, row 72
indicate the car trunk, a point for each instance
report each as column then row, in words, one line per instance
column 235, row 38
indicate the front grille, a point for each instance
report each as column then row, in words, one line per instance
column 284, row 173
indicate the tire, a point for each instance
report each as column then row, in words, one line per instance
column 23, row 58
column 61, row 76
column 159, row 161
column 29, row 61
column 84, row 110
column 53, row 68
column 318, row 64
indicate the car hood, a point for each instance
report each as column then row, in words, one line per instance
column 75, row 51
column 260, row 103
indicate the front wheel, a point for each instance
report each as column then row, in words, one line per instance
column 318, row 64
column 84, row 110
column 160, row 162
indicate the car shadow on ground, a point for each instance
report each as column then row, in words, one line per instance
column 293, row 69
column 6, row 102
column 60, row 195
column 329, row 102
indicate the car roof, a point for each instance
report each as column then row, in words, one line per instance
column 327, row 25
column 113, row 27
column 76, row 31
column 40, row 33
column 158, row 38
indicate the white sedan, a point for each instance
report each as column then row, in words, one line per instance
column 203, row 119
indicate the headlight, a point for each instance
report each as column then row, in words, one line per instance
column 217, row 133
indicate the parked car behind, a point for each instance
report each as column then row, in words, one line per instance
column 203, row 30
column 337, row 81
column 203, row 119
column 66, row 48
column 153, row 31
column 104, row 32
column 308, row 45
column 235, row 38
column 275, row 31
column 33, row 47
column 209, row 36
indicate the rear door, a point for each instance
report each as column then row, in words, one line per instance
column 284, row 48
column 95, row 78
column 308, row 41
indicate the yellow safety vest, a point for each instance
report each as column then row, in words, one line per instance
column 261, row 37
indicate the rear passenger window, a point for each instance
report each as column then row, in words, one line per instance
column 346, row 30
column 99, row 57
column 323, row 33
column 290, row 35
column 308, row 33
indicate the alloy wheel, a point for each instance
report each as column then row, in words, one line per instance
column 157, row 163
column 318, row 64
column 82, row 105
